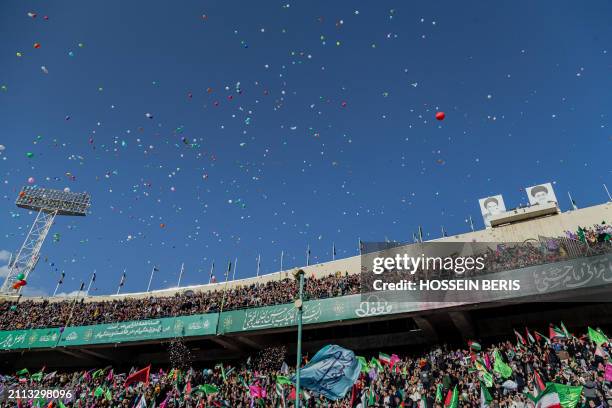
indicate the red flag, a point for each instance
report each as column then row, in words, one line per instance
column 139, row 376
column 449, row 398
column 538, row 381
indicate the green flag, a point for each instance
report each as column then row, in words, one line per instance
column 597, row 337
column 375, row 363
column 61, row 404
column 282, row 380
column 500, row 367
column 108, row 394
column 485, row 395
column 363, row 364
column 98, row 392
column 23, row 372
column 487, row 377
column 565, row 395
column 208, row 389
column 37, row 376
column 439, row 393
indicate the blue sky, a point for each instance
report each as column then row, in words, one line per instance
column 248, row 128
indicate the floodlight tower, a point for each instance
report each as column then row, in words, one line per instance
column 49, row 204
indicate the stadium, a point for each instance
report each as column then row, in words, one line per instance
column 224, row 334
column 305, row 204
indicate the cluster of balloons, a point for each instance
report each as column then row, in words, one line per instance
column 20, row 281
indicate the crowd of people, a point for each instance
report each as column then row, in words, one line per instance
column 426, row 380
column 26, row 314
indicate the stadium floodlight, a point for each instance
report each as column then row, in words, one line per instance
column 48, row 203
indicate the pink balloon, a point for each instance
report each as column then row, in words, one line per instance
column 31, row 180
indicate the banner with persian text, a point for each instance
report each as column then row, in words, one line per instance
column 143, row 330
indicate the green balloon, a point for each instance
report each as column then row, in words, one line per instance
column 29, row 155
column 20, row 276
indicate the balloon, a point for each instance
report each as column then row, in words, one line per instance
column 31, row 180
column 20, row 276
column 22, row 194
column 2, row 148
column 29, row 155
column 36, row 45
column 343, row 104
column 15, row 285
column 22, row 282
column 66, row 189
column 162, row 225
column 440, row 115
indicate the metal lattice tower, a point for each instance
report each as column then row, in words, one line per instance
column 49, row 204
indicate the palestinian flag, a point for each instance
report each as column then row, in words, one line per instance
column 539, row 384
column 558, row 396
column 529, row 336
column 597, row 337
column 555, row 333
column 485, row 396
column 452, row 399
column 474, row 346
column 540, row 336
column 519, row 338
column 567, row 334
column 384, row 358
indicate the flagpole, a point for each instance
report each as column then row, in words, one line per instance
column 471, row 223
column 607, row 192
column 298, row 305
column 420, row 234
column 91, row 280
column 235, row 267
column 229, row 268
column 359, row 244
column 308, row 255
column 59, row 282
column 121, row 282
column 212, row 270
column 574, row 206
column 281, row 260
column 181, row 274
column 258, row 262
column 150, row 279
column 333, row 251
column 71, row 312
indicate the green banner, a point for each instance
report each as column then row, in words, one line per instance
column 142, row 330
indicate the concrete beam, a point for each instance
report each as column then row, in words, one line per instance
column 225, row 342
column 463, row 322
column 427, row 329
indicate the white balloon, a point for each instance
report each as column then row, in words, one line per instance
column 2, row 148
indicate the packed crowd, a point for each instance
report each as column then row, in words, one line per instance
column 27, row 314
column 504, row 375
column 33, row 314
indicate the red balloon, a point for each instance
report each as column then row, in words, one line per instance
column 15, row 285
column 440, row 115
column 36, row 45
column 22, row 282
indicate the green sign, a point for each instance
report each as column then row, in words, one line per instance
column 195, row 325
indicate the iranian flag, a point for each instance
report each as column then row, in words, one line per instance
column 474, row 345
column 558, row 396
column 384, row 358
column 485, row 396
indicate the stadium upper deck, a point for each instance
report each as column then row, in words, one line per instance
column 553, row 225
